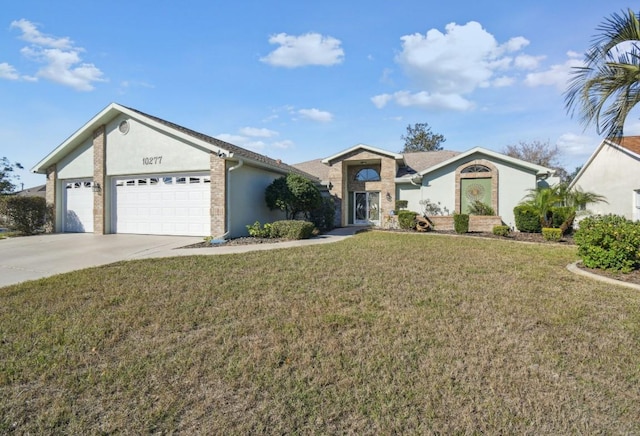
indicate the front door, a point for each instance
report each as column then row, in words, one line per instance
column 366, row 208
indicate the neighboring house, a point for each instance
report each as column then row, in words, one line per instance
column 613, row 171
column 366, row 181
column 36, row 191
column 128, row 172
column 125, row 171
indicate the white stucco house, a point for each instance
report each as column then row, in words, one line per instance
column 126, row 171
column 613, row 171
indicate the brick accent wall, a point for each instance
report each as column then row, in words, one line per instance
column 342, row 176
column 494, row 181
column 218, row 169
column 477, row 223
column 50, row 194
column 99, row 151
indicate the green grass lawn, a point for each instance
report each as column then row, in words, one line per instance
column 380, row 333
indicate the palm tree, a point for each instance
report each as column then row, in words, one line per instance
column 544, row 199
column 605, row 89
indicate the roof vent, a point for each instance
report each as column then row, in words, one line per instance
column 123, row 127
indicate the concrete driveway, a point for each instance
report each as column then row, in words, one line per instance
column 34, row 257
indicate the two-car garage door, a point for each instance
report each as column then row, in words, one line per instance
column 163, row 205
column 159, row 205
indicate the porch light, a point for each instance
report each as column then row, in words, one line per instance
column 96, row 187
column 388, row 196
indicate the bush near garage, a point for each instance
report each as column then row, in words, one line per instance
column 325, row 215
column 501, row 230
column 292, row 229
column 609, row 242
column 551, row 234
column 27, row 215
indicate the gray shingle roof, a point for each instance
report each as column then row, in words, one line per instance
column 415, row 162
column 237, row 151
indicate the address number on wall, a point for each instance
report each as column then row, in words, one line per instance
column 153, row 160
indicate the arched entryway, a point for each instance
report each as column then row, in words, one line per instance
column 476, row 181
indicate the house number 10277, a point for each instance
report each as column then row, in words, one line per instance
column 154, row 160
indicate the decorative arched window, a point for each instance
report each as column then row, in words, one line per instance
column 367, row 175
column 476, row 169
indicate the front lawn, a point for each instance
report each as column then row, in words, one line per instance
column 381, row 333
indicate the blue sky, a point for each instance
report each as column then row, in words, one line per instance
column 299, row 80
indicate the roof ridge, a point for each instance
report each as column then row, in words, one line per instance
column 243, row 152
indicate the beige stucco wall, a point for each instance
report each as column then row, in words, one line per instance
column 78, row 163
column 614, row 174
column 164, row 153
column 247, row 186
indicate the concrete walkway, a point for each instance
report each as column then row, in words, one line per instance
column 34, row 257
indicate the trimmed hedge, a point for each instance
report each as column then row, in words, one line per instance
column 527, row 218
column 501, row 230
column 609, row 242
column 551, row 234
column 407, row 219
column 292, row 229
column 461, row 222
column 25, row 214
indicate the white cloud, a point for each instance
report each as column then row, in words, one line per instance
column 61, row 59
column 316, row 115
column 557, row 75
column 527, row 62
column 424, row 100
column 8, row 72
column 448, row 66
column 31, row 34
column 381, row 100
column 283, row 144
column 457, row 61
column 258, row 132
column 576, row 146
column 241, row 141
column 307, row 49
column 501, row 82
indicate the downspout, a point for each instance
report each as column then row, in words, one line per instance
column 227, row 205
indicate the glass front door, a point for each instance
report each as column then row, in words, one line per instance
column 366, row 208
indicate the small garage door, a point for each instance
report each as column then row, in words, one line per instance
column 78, row 206
column 163, row 205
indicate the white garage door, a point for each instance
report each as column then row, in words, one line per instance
column 163, row 205
column 78, row 206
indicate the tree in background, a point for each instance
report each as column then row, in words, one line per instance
column 539, row 153
column 294, row 194
column 6, row 175
column 421, row 138
column 605, row 89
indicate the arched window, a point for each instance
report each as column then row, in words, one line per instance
column 476, row 169
column 367, row 175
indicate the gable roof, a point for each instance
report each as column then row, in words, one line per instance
column 538, row 169
column 395, row 156
column 629, row 145
column 224, row 149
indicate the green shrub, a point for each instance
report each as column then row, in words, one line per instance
column 461, row 222
column 501, row 230
column 609, row 242
column 258, row 231
column 561, row 214
column 551, row 234
column 292, row 229
column 527, row 218
column 25, row 214
column 480, row 208
column 324, row 217
column 401, row 204
column 407, row 219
